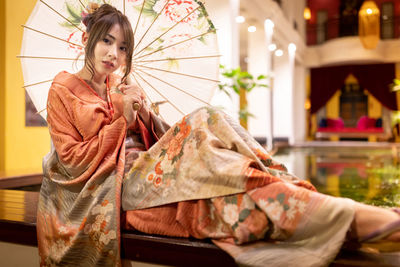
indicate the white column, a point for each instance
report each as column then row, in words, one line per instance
column 292, row 58
column 234, row 12
column 258, row 101
column 269, row 30
column 235, row 56
column 220, row 14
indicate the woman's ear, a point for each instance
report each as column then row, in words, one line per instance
column 85, row 38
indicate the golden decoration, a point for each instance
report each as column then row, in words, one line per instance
column 369, row 24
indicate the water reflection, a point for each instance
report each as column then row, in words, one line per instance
column 369, row 175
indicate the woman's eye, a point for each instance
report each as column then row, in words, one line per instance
column 123, row 48
column 106, row 40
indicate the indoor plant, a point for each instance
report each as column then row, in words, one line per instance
column 241, row 82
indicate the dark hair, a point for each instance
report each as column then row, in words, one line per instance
column 98, row 24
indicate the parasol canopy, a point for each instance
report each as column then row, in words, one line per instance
column 175, row 58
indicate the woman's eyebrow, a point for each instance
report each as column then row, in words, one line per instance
column 112, row 37
column 109, row 35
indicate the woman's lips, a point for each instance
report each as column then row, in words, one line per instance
column 108, row 64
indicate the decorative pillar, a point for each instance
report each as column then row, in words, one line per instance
column 307, row 106
column 243, row 107
column 269, row 31
column 292, row 60
column 235, row 6
column 235, row 53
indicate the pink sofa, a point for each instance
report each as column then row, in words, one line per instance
column 366, row 127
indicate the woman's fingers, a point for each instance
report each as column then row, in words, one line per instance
column 133, row 101
column 132, row 87
column 135, row 97
column 129, row 90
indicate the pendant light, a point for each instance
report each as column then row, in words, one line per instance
column 369, row 24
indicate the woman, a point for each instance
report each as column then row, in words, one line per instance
column 205, row 177
column 88, row 119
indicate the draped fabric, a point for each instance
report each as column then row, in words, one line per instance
column 376, row 78
column 204, row 177
column 208, row 178
column 79, row 205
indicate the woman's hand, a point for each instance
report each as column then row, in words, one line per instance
column 134, row 95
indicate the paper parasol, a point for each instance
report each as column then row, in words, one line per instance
column 175, row 59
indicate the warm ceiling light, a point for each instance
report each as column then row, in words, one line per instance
column 240, row 19
column 307, row 13
column 269, row 24
column 279, row 53
column 369, row 24
column 292, row 47
column 272, row 47
column 307, row 104
column 252, row 28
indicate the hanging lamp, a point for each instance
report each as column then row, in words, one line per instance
column 369, row 24
column 307, row 13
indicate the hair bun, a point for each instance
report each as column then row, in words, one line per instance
column 91, row 8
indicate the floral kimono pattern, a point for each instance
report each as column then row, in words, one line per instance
column 204, row 177
column 208, row 178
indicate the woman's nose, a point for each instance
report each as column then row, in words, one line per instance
column 112, row 51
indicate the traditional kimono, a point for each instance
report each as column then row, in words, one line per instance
column 204, row 177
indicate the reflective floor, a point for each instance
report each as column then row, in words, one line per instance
column 369, row 175
column 366, row 174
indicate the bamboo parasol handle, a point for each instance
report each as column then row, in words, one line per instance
column 136, row 106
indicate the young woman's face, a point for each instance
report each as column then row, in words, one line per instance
column 110, row 52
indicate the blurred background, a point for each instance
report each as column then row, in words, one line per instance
column 318, row 87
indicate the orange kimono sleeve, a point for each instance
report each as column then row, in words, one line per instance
column 86, row 136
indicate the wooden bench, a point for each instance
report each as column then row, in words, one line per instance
column 18, row 225
column 20, row 181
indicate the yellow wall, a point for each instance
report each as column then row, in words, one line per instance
column 374, row 107
column 333, row 106
column 2, row 83
column 24, row 146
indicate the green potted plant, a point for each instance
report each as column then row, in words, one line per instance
column 241, row 83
